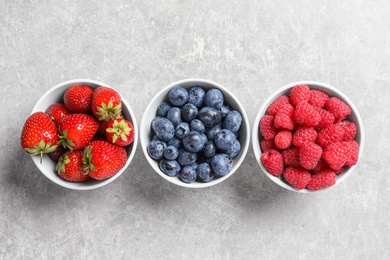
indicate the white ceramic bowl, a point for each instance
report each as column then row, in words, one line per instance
column 332, row 92
column 151, row 112
column 47, row 167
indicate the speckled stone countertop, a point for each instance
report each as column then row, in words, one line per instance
column 252, row 48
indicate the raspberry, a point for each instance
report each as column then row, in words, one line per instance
column 267, row 128
column 306, row 114
column 273, row 162
column 349, row 130
column 340, row 171
column 274, row 107
column 321, row 165
column 331, row 134
column 298, row 178
column 309, row 154
column 283, row 139
column 353, row 153
column 303, row 134
column 327, row 118
column 323, row 179
column 299, row 93
column 318, row 98
column 338, row 108
column 291, row 157
column 336, row 155
column 284, row 117
column 266, row 145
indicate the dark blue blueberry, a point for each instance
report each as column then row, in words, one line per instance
column 214, row 98
column 213, row 131
column 188, row 174
column 189, row 112
column 196, row 96
column 224, row 110
column 197, row 125
column 209, row 116
column 193, row 142
column 178, row 96
column 163, row 129
column 232, row 121
column 209, row 149
column 171, row 153
column 204, row 172
column 186, row 157
column 163, row 109
column 156, row 149
column 182, row 130
column 154, row 121
column 234, row 149
column 176, row 142
column 169, row 167
column 194, row 165
column 224, row 139
column 174, row 115
column 204, row 137
column 221, row 164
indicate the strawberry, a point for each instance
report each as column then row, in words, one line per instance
column 303, row 134
column 298, row 178
column 57, row 112
column 338, row 108
column 70, row 167
column 336, row 154
column 332, row 134
column 323, row 179
column 267, row 128
column 106, row 103
column 78, row 99
column 291, row 157
column 309, row 154
column 299, row 93
column 306, row 114
column 283, row 139
column 102, row 159
column 277, row 103
column 284, row 117
column 120, row 132
column 77, row 130
column 39, row 134
column 318, row 98
column 273, row 162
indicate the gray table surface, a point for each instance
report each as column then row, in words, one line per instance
column 250, row 47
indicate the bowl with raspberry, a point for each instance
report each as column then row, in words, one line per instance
column 308, row 136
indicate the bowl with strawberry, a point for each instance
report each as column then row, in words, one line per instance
column 81, row 134
column 308, row 136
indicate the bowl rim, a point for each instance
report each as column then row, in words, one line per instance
column 145, row 124
column 262, row 111
column 101, row 183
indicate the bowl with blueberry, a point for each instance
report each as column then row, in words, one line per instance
column 195, row 133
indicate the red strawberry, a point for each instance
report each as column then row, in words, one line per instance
column 267, row 128
column 338, row 108
column 78, row 99
column 349, row 130
column 318, row 98
column 309, row 154
column 120, row 132
column 266, row 145
column 298, row 178
column 57, row 112
column 103, row 159
column 327, row 119
column 336, row 155
column 331, row 134
column 106, row 103
column 274, row 107
column 39, row 134
column 299, row 93
column 306, row 114
column 303, row 134
column 353, row 153
column 70, row 167
column 284, row 117
column 291, row 157
column 273, row 162
column 77, row 130
column 323, row 179
column 283, row 139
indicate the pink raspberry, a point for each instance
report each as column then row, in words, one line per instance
column 299, row 93
column 320, row 166
column 291, row 157
column 266, row 145
column 303, row 134
column 323, row 179
column 283, row 139
column 353, row 153
column 284, row 117
column 318, row 98
column 327, row 119
column 309, row 154
column 336, row 155
column 267, row 128
column 298, row 178
column 350, row 130
column 331, row 134
column 273, row 162
column 338, row 108
column 274, row 107
column 306, row 114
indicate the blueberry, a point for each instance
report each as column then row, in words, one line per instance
column 197, row 125
column 209, row 116
column 204, row 172
column 209, row 149
column 196, row 96
column 234, row 149
column 213, row 131
column 224, row 139
column 189, row 112
column 182, row 130
column 156, row 149
column 163, row 109
column 171, row 153
column 176, row 142
column 178, row 96
column 188, row 174
column 221, row 164
column 193, row 142
column 194, row 165
column 224, row 110
column 169, row 167
column 174, row 115
column 232, row 121
column 163, row 129
column 214, row 98
column 186, row 157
